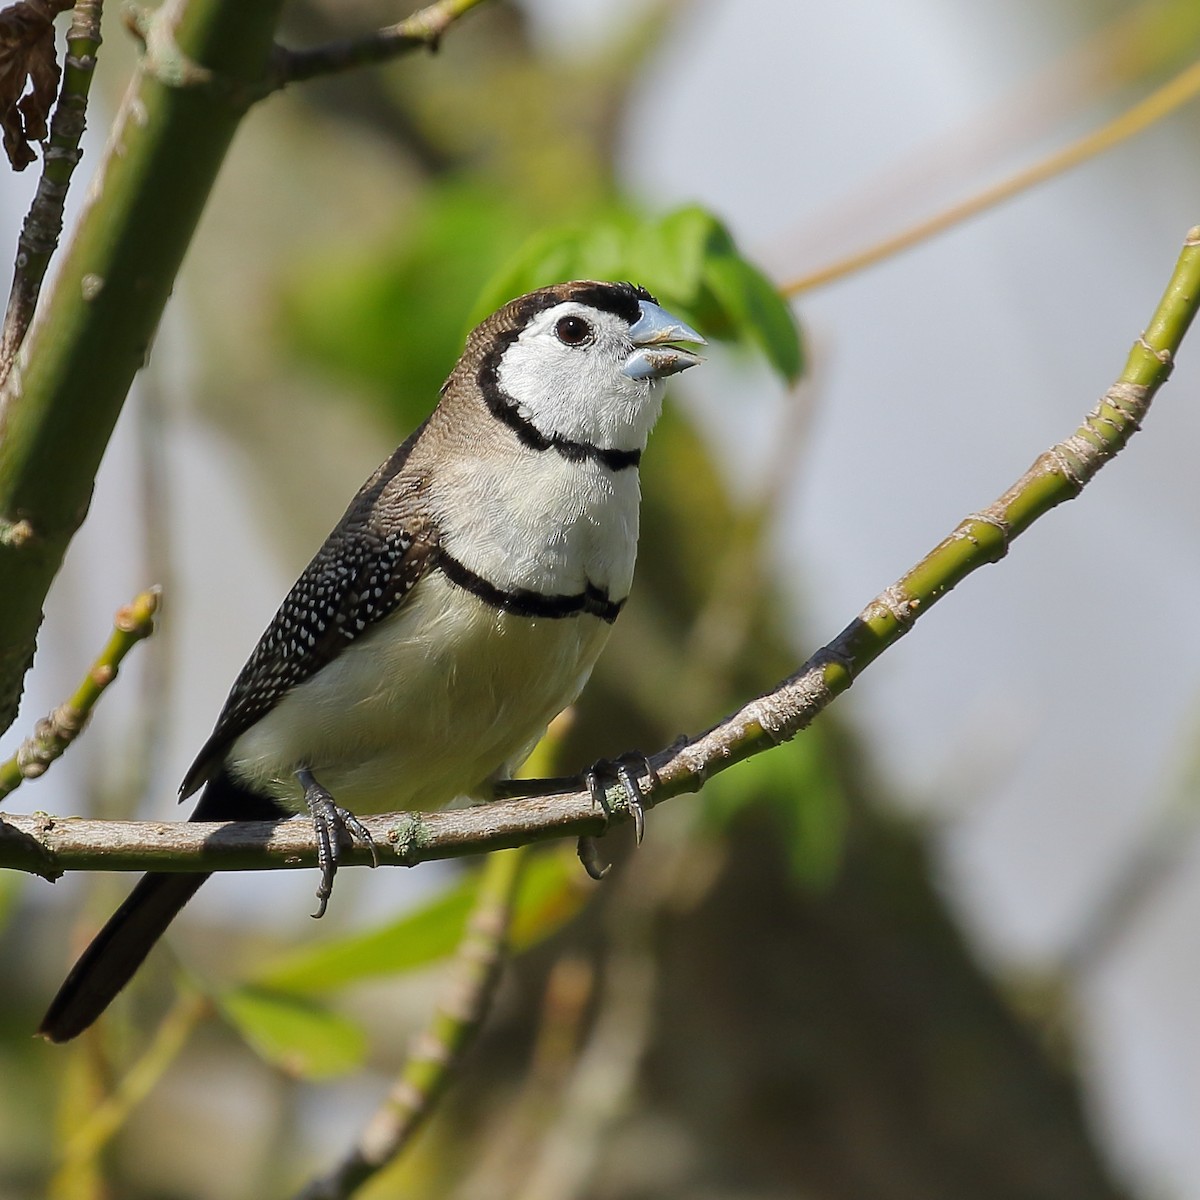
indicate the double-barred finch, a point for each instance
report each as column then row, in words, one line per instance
column 457, row 607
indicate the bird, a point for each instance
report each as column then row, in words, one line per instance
column 457, row 607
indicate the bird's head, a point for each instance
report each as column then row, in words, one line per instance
column 583, row 360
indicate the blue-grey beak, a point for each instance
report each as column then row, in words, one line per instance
column 654, row 333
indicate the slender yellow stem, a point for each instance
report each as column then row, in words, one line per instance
column 437, row 1052
column 53, row 734
column 1160, row 103
column 108, row 1118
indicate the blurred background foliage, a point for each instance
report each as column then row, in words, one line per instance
column 768, row 999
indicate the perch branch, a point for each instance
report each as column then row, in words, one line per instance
column 48, row 846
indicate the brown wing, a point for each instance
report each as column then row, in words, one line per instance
column 365, row 570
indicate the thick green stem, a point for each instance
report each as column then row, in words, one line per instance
column 204, row 62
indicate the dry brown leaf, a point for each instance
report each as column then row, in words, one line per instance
column 28, row 75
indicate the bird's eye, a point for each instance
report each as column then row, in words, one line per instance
column 573, row 331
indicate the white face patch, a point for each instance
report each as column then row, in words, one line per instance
column 564, row 375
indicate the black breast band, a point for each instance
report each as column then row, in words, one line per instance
column 526, row 603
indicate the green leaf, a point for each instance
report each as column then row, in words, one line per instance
column 550, row 893
column 297, row 1035
column 759, row 315
column 686, row 258
column 415, row 940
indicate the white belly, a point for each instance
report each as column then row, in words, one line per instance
column 431, row 704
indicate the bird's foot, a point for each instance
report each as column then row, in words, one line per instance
column 330, row 822
column 627, row 770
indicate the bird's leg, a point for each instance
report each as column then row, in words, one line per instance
column 329, row 822
column 516, row 789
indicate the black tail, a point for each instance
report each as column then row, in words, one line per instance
column 108, row 964
column 117, row 951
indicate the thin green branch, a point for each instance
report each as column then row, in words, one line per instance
column 48, row 846
column 421, row 31
column 437, row 1051
column 1056, row 476
column 53, row 734
column 44, row 221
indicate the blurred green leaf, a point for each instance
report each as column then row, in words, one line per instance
column 686, row 258
column 391, row 318
column 552, row 890
column 545, row 258
column 297, row 1035
column 673, row 250
column 800, row 785
column 416, row 939
column 685, row 511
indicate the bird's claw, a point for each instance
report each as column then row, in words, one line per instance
column 588, row 850
column 626, row 770
column 329, row 823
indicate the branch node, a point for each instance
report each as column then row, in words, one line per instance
column 164, row 60
column 36, row 857
column 137, row 617
column 1163, row 355
column 51, row 735
column 1131, row 400
column 964, row 530
column 785, row 712
column 16, row 535
column 1069, row 458
column 894, row 602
